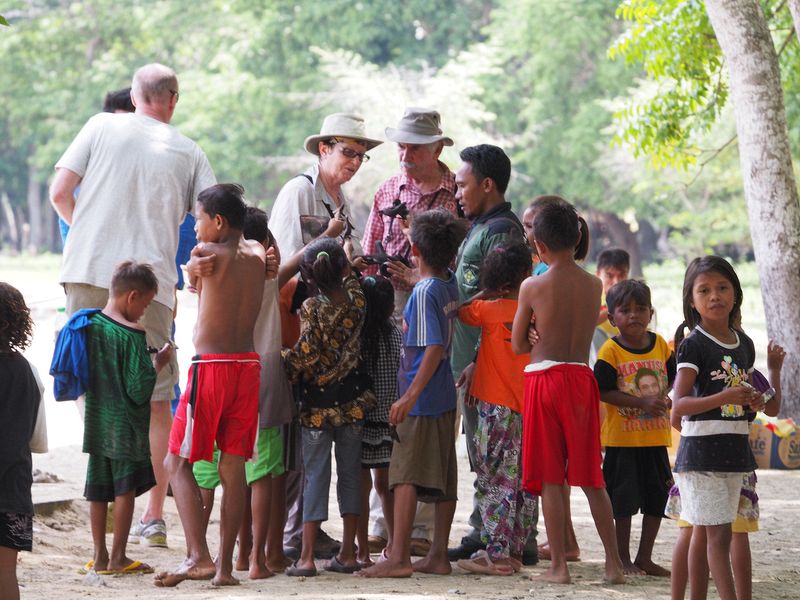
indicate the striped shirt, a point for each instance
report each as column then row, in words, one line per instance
column 716, row 440
column 428, row 321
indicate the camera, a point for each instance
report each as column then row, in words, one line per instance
column 397, row 209
column 381, row 258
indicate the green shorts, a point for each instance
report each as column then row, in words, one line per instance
column 270, row 455
column 206, row 473
column 107, row 478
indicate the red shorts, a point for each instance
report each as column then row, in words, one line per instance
column 222, row 401
column 560, row 429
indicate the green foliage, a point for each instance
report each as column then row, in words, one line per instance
column 3, row 21
column 549, row 95
column 674, row 43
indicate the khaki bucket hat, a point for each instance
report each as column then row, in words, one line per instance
column 418, row 126
column 341, row 125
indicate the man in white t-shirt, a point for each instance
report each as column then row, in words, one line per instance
column 139, row 177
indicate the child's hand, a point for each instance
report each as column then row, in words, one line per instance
column 742, row 395
column 400, row 409
column 465, row 379
column 271, row 269
column 533, row 335
column 200, row 265
column 162, row 357
column 775, row 356
column 401, row 273
column 655, row 406
column 336, row 225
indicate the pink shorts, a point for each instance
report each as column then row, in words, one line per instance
column 220, row 404
column 560, row 431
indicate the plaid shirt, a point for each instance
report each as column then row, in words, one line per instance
column 386, row 230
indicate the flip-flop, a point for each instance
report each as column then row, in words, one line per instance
column 135, row 568
column 86, row 568
column 473, row 566
column 336, row 566
column 295, row 571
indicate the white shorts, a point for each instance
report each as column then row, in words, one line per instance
column 709, row 498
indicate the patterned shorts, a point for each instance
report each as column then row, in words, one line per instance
column 16, row 531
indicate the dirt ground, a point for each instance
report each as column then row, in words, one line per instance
column 62, row 544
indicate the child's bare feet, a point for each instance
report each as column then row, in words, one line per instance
column 259, row 571
column 222, row 579
column 278, row 564
column 650, row 568
column 186, row 570
column 433, row 566
column 614, row 572
column 482, row 564
column 387, row 568
column 572, row 554
column 631, row 569
column 242, row 563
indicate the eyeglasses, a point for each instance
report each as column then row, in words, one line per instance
column 349, row 152
column 176, row 94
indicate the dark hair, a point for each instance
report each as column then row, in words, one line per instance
column 614, row 258
column 16, row 325
column 557, row 226
column 324, row 263
column 256, row 225
column 698, row 266
column 379, row 295
column 437, row 235
column 506, row 266
column 131, row 275
column 645, row 373
column 118, row 100
column 489, row 161
column 582, row 247
column 626, row 291
column 225, row 200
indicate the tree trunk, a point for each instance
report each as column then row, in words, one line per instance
column 34, row 210
column 11, row 221
column 794, row 8
column 49, row 226
column 769, row 184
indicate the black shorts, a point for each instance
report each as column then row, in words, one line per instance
column 16, row 531
column 637, row 479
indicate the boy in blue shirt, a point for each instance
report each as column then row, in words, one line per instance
column 423, row 463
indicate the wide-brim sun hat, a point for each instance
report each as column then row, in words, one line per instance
column 418, row 126
column 341, row 125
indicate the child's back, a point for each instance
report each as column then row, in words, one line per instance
column 566, row 300
column 117, row 413
column 230, row 298
column 561, row 438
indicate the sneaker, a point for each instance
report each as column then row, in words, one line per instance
column 152, row 534
column 465, row 549
column 326, row 546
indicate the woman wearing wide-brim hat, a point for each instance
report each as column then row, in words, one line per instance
column 301, row 212
column 307, row 201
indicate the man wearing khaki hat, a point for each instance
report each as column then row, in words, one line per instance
column 424, row 182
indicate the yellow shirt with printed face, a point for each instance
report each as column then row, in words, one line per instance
column 639, row 372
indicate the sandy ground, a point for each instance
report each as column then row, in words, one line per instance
column 62, row 542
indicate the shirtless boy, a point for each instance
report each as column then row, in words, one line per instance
column 561, row 437
column 221, row 399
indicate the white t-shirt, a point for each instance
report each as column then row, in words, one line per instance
column 139, row 178
column 292, row 219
